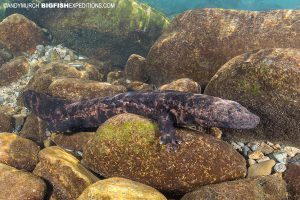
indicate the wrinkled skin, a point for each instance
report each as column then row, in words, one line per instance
column 169, row 108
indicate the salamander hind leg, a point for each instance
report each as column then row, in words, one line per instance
column 167, row 131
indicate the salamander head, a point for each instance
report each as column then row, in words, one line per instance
column 216, row 112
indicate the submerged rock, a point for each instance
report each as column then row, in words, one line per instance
column 261, row 169
column 198, row 42
column 65, row 173
column 108, row 34
column 127, row 146
column 6, row 119
column 135, row 68
column 46, row 73
column 34, row 129
column 19, row 34
column 267, row 82
column 13, row 70
column 261, row 188
column 292, row 178
column 120, row 188
column 18, row 152
column 19, row 185
column 182, row 85
column 78, row 89
column 73, row 142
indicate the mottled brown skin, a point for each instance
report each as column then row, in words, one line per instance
column 168, row 108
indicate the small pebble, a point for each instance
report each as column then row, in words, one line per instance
column 241, row 144
column 251, row 162
column 2, row 100
column 270, row 143
column 265, row 158
column 253, row 145
column 276, row 147
column 295, row 159
column 265, row 148
column 236, row 146
column 280, row 156
column 256, row 155
column 246, row 151
column 280, row 168
column 291, row 151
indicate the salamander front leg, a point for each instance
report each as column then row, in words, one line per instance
column 167, row 131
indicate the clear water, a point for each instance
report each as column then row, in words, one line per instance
column 172, row 7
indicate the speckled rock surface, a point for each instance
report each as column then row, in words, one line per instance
column 187, row 50
column 34, row 129
column 6, row 119
column 77, row 89
column 292, row 178
column 65, row 173
column 46, row 73
column 120, row 188
column 13, row 70
column 260, row 188
column 135, row 68
column 19, row 185
column 18, row 152
column 19, row 34
column 182, row 85
column 267, row 82
column 74, row 142
column 111, row 35
column 127, row 146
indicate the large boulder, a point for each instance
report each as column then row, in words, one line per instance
column 292, row 178
column 182, row 85
column 19, row 34
column 260, row 188
column 6, row 119
column 47, row 72
column 13, row 70
column 267, row 82
column 19, row 185
column 78, row 89
column 64, row 172
column 109, row 34
column 18, row 152
column 120, row 188
column 127, row 146
column 199, row 42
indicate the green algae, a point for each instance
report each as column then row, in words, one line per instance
column 141, row 133
column 250, row 87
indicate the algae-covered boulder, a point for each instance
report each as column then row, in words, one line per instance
column 267, row 82
column 134, row 68
column 78, row 89
column 64, row 172
column 199, row 42
column 260, row 188
column 127, row 146
column 182, row 85
column 13, row 70
column 19, row 185
column 120, row 188
column 6, row 119
column 46, row 72
column 18, row 152
column 111, row 33
column 19, row 34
